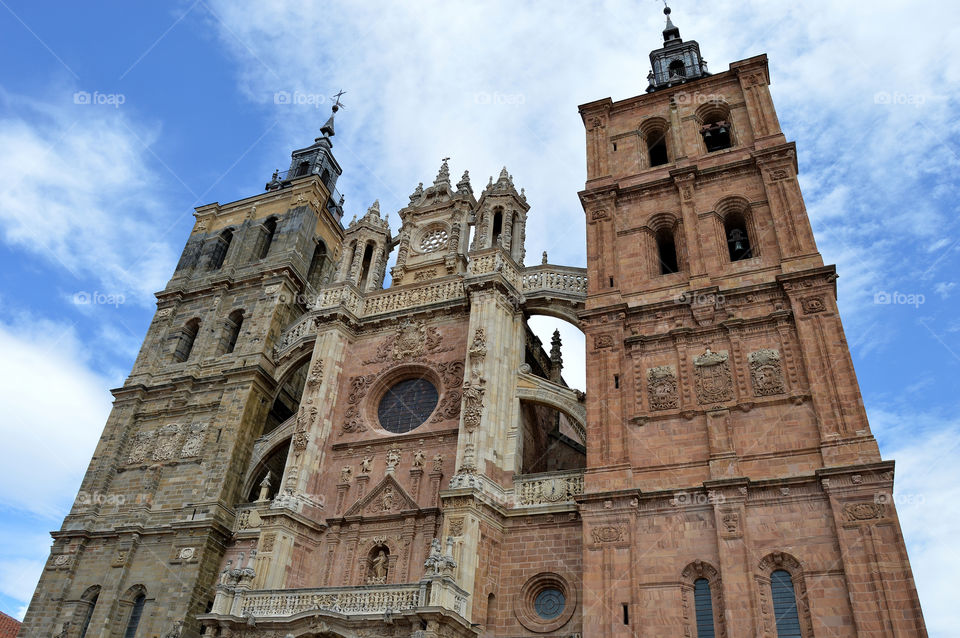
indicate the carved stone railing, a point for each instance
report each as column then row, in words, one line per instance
column 392, row 300
column 369, row 599
column 565, row 281
column 496, row 262
column 304, row 327
column 549, row 488
column 344, row 294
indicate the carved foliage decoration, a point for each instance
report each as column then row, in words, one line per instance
column 170, row 442
column 602, row 341
column 359, row 386
column 864, row 511
column 411, row 340
column 662, row 388
column 316, row 373
column 713, row 379
column 766, row 372
column 812, row 305
column 473, row 403
column 607, row 534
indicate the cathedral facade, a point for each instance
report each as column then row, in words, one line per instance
column 302, row 452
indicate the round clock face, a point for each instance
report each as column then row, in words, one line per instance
column 433, row 241
column 554, row 490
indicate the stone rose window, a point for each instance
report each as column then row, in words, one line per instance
column 549, row 603
column 434, row 240
column 546, row 602
column 407, row 405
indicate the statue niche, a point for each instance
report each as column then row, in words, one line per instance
column 378, row 565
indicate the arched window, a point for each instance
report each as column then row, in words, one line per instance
column 365, row 265
column 317, row 262
column 497, row 227
column 784, row 605
column 219, row 252
column 677, row 69
column 738, row 239
column 714, row 118
column 231, row 332
column 667, row 251
column 136, row 613
column 89, row 600
column 188, row 335
column 491, row 613
column 266, row 239
column 302, row 169
column 654, row 132
column 703, row 607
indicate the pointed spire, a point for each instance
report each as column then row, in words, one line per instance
column 464, row 183
column 443, row 176
column 374, row 209
column 327, row 129
column 417, row 193
column 556, row 358
column 670, row 32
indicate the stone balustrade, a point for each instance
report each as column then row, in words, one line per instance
column 549, row 488
column 564, row 280
column 369, row 599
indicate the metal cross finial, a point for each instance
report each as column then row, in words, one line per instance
column 446, row 159
column 336, row 99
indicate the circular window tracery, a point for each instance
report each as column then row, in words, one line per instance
column 407, row 404
column 546, row 603
column 549, row 603
column 434, row 240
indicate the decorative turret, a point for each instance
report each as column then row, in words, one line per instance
column 366, row 248
column 677, row 61
column 501, row 217
column 433, row 239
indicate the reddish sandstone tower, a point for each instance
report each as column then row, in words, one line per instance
column 733, row 487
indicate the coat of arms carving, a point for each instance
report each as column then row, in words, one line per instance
column 766, row 372
column 662, row 388
column 714, row 381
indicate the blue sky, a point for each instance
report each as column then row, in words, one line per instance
column 96, row 198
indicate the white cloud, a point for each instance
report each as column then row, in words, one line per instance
column 925, row 446
column 78, row 192
column 54, row 409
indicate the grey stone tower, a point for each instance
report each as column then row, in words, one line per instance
column 142, row 544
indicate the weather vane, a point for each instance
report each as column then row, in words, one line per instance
column 336, row 100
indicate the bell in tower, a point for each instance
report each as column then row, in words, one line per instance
column 677, row 61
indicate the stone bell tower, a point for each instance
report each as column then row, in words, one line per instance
column 139, row 551
column 733, row 486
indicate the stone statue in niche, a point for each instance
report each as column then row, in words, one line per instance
column 766, row 372
column 366, row 465
column 379, row 566
column 438, row 462
column 418, row 458
column 264, row 487
column 345, row 473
